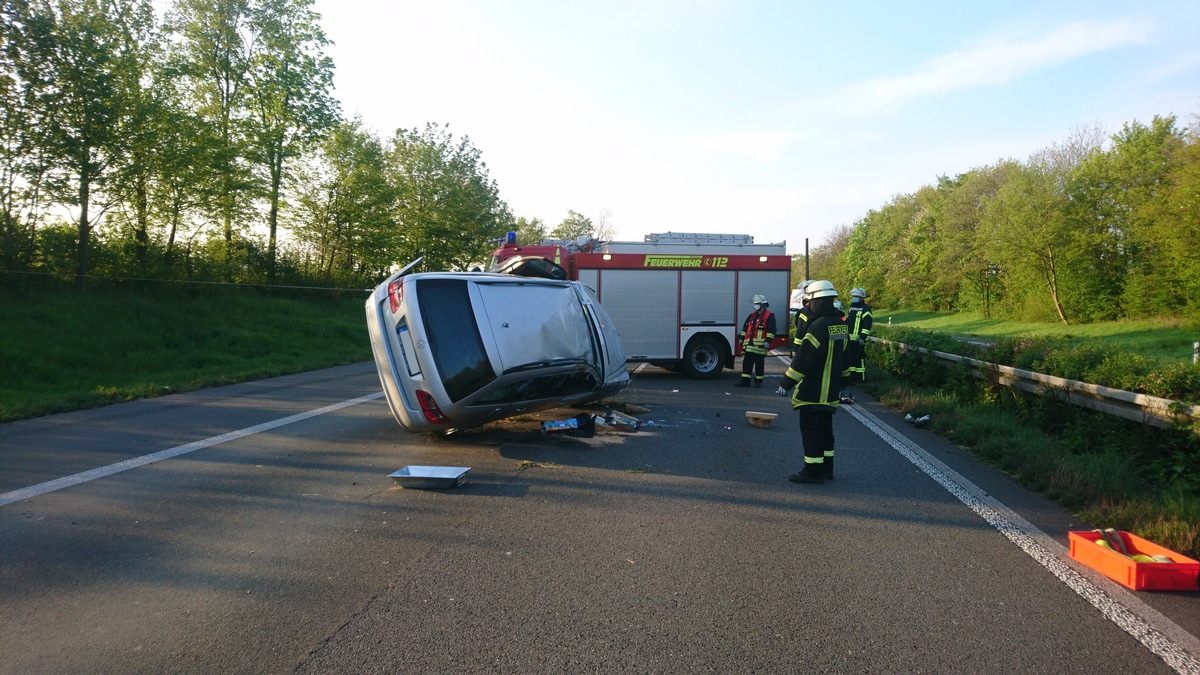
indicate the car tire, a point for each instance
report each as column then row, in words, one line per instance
column 704, row 357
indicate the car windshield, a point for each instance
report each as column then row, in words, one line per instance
column 454, row 338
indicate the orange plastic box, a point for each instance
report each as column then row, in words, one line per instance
column 1183, row 574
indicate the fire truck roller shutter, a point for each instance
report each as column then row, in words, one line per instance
column 644, row 305
column 709, row 298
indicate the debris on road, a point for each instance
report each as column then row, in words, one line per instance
column 918, row 422
column 423, row 477
column 582, row 424
column 621, row 421
column 760, row 419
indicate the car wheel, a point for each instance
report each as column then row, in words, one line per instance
column 704, row 357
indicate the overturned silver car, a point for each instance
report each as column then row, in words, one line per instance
column 459, row 349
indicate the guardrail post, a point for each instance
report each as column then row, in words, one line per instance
column 1195, row 352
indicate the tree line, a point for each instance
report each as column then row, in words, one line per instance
column 206, row 144
column 1088, row 229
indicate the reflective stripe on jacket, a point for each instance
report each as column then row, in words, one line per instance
column 860, row 321
column 818, row 364
column 758, row 331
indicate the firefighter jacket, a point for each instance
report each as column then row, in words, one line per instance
column 758, row 331
column 816, row 368
column 859, row 322
column 802, row 319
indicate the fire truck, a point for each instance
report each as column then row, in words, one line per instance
column 677, row 299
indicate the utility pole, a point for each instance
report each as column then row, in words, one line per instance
column 806, row 274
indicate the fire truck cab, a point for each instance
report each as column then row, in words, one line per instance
column 677, row 299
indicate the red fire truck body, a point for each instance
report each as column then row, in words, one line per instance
column 677, row 299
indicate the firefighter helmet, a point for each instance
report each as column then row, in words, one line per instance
column 858, row 293
column 821, row 289
column 760, row 300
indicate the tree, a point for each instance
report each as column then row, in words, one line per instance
column 880, row 255
column 79, row 59
column 212, row 52
column 828, row 260
column 1119, row 196
column 933, row 287
column 864, row 265
column 530, row 230
column 1176, row 216
column 447, row 208
column 344, row 207
column 575, row 225
column 605, row 230
column 140, row 126
column 291, row 81
column 1026, row 228
column 180, row 158
column 25, row 94
column 963, row 254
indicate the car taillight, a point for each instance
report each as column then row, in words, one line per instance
column 395, row 295
column 433, row 414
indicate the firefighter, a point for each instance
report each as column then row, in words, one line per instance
column 859, row 321
column 814, row 378
column 757, row 333
column 802, row 316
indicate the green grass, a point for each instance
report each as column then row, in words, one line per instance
column 1161, row 338
column 1108, row 472
column 61, row 349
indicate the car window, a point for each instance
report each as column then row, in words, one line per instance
column 542, row 387
column 454, row 340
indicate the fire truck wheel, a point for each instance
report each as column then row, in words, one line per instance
column 704, row 357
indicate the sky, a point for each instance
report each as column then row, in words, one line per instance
column 784, row 119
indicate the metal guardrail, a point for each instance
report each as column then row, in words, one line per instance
column 1152, row 410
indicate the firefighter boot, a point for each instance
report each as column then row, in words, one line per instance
column 757, row 383
column 827, row 468
column 812, row 473
column 744, row 382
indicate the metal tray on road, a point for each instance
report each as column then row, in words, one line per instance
column 430, row 476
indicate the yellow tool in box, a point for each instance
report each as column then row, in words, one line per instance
column 1111, row 539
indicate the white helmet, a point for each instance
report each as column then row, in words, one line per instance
column 858, row 293
column 821, row 289
column 760, row 300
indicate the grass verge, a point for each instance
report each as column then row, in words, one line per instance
column 64, row 350
column 1102, row 486
column 1169, row 339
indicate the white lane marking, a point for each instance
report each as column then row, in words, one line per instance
column 1147, row 626
column 100, row 472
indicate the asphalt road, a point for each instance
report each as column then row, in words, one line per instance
column 267, row 537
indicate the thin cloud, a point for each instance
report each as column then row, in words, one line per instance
column 1180, row 65
column 762, row 145
column 993, row 62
